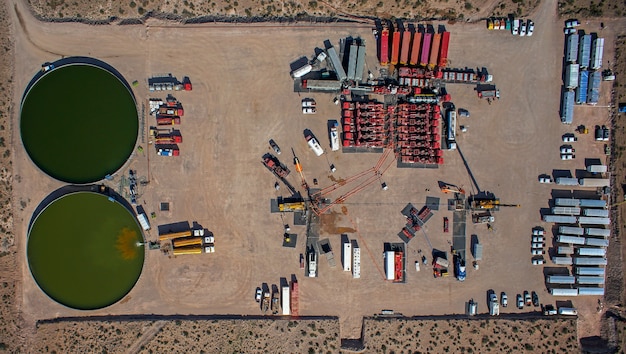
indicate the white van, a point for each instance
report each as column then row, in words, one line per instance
column 515, row 27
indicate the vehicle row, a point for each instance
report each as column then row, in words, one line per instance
column 517, row 27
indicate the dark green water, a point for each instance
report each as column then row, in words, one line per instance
column 79, row 123
column 82, row 251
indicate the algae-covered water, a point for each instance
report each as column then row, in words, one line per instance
column 79, row 123
column 83, row 251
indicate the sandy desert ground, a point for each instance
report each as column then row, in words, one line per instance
column 219, row 112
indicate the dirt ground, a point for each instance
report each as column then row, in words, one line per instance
column 193, row 10
column 242, row 97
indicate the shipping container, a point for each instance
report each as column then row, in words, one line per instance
column 566, row 210
column 603, row 213
column 571, row 76
column 567, row 107
column 564, row 292
column 597, row 168
column 590, row 261
column 564, row 181
column 584, row 54
column 415, row 50
column 592, row 203
column 571, row 52
column 591, row 251
column 596, row 242
column 406, row 46
column 395, row 47
column 561, row 279
column 594, row 182
column 336, row 63
column 597, row 53
column 597, row 232
column 434, row 52
column 352, row 57
column 443, row 51
column 562, row 260
column 590, row 220
column 574, row 240
column 589, row 271
column 562, row 219
column 426, row 49
column 588, row 291
column 571, row 230
column 583, row 87
column 593, row 91
column 565, row 250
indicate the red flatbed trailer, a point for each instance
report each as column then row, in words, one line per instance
column 395, row 47
column 384, row 47
column 428, row 37
column 434, row 52
column 168, row 139
column 446, row 227
column 398, row 266
column 443, row 50
column 406, row 44
column 295, row 299
column 415, row 51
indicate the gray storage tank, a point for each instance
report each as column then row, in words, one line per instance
column 596, row 242
column 590, row 280
column 597, row 232
column 571, row 230
column 563, row 219
column 563, row 292
column 590, row 261
column 571, row 52
column 590, row 271
column 561, row 279
column 591, row 291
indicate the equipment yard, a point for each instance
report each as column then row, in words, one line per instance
column 243, row 96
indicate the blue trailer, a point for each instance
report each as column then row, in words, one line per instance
column 583, row 86
column 593, row 92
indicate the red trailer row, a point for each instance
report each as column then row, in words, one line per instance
column 406, row 47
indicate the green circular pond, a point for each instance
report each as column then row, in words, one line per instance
column 79, row 123
column 83, row 251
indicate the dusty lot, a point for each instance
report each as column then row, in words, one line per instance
column 242, row 97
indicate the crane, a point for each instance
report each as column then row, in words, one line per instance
column 491, row 204
column 298, row 165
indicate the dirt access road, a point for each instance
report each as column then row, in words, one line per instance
column 242, row 97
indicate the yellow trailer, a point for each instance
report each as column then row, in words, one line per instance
column 174, row 235
column 190, row 241
column 187, row 250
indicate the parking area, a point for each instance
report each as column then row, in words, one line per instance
column 243, row 96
